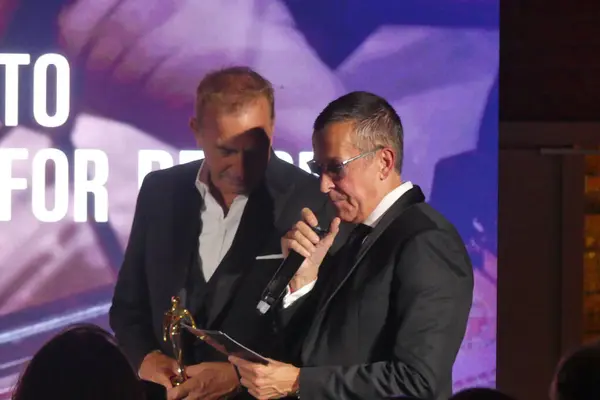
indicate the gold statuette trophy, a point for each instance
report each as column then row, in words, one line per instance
column 172, row 322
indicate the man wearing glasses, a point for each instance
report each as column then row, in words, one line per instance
column 385, row 316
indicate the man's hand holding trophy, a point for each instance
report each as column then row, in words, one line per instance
column 190, row 382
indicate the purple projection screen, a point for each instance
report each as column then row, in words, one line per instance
column 94, row 94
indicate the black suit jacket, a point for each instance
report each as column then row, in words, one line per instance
column 392, row 327
column 161, row 255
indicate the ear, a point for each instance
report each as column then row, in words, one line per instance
column 195, row 127
column 387, row 162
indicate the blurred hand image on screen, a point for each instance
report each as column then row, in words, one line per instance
column 135, row 65
column 150, row 55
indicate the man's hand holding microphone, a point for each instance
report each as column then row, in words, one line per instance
column 303, row 239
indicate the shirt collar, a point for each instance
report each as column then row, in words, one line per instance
column 202, row 180
column 386, row 203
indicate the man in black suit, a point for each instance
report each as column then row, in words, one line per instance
column 210, row 230
column 388, row 312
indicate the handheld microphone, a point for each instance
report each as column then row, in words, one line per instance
column 276, row 287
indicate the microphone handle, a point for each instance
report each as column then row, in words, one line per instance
column 285, row 272
column 281, row 279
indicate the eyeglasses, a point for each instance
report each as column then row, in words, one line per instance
column 335, row 169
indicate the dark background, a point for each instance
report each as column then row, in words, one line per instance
column 549, row 100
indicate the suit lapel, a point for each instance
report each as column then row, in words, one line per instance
column 413, row 196
column 186, row 206
column 256, row 227
column 410, row 198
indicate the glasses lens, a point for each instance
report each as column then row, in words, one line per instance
column 314, row 167
column 333, row 169
column 336, row 170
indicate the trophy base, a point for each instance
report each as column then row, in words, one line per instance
column 177, row 380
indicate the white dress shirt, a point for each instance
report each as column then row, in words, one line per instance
column 386, row 203
column 217, row 230
column 371, row 221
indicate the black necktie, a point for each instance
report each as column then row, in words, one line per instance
column 355, row 241
column 350, row 250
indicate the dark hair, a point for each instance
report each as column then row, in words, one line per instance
column 231, row 88
column 376, row 123
column 82, row 362
column 480, row 394
column 578, row 375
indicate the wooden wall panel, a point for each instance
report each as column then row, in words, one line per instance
column 550, row 60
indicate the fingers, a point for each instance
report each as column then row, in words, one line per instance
column 309, row 217
column 301, row 239
column 262, row 393
column 254, row 390
column 286, row 244
column 179, row 392
column 298, row 248
column 158, row 368
column 251, row 389
column 163, row 379
column 242, row 365
column 248, row 371
column 236, row 361
column 334, row 228
column 255, row 378
column 303, row 230
column 302, row 244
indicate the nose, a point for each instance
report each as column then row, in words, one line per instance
column 326, row 184
column 239, row 165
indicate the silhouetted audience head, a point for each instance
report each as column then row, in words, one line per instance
column 82, row 362
column 578, row 375
column 481, row 394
